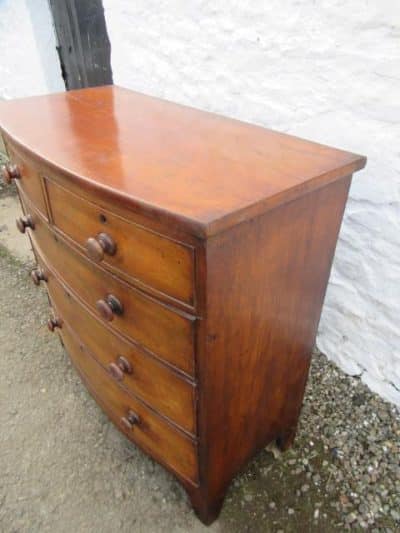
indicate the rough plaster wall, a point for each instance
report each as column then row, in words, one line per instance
column 328, row 71
column 28, row 57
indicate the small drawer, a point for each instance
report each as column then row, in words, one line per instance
column 145, row 428
column 30, row 182
column 128, row 249
column 139, row 373
column 166, row 332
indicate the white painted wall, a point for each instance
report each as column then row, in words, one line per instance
column 28, row 59
column 326, row 70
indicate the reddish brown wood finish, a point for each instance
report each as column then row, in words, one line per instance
column 157, row 327
column 159, row 262
column 210, row 243
column 180, row 164
column 28, row 180
column 266, row 281
column 148, row 379
column 150, row 432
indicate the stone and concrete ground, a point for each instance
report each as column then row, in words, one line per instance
column 65, row 468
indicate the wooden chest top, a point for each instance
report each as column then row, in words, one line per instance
column 169, row 161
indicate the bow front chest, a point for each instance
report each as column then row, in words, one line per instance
column 186, row 257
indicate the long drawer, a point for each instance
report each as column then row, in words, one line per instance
column 138, row 423
column 166, row 332
column 136, row 252
column 140, row 373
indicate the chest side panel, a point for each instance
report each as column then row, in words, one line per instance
column 266, row 281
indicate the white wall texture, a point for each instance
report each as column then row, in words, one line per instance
column 326, row 70
column 28, row 58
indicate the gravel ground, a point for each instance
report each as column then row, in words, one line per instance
column 65, row 468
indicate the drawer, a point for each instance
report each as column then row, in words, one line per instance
column 165, row 332
column 144, row 376
column 138, row 253
column 158, row 438
column 30, row 182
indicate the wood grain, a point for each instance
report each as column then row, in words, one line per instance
column 156, row 327
column 182, row 165
column 153, row 259
column 150, row 380
column 266, row 281
column 155, row 436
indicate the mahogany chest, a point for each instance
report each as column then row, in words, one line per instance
column 186, row 258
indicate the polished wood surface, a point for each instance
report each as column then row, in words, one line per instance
column 147, row 378
column 156, row 327
column 159, row 262
column 269, row 336
column 151, row 432
column 186, row 257
column 197, row 169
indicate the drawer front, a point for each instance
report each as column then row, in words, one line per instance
column 147, row 378
column 152, row 433
column 156, row 327
column 145, row 256
column 30, row 182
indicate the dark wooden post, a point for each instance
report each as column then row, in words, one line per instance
column 83, row 44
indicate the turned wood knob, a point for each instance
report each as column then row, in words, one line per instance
column 124, row 365
column 54, row 323
column 38, row 275
column 25, row 222
column 115, row 371
column 10, row 172
column 96, row 247
column 130, row 420
column 108, row 307
column 119, row 368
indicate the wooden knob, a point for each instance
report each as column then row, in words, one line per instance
column 38, row 275
column 96, row 247
column 109, row 307
column 119, row 368
column 25, row 222
column 10, row 172
column 54, row 323
column 105, row 310
column 130, row 420
column 115, row 371
column 124, row 365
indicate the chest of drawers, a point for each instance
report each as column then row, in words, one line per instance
column 186, row 257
